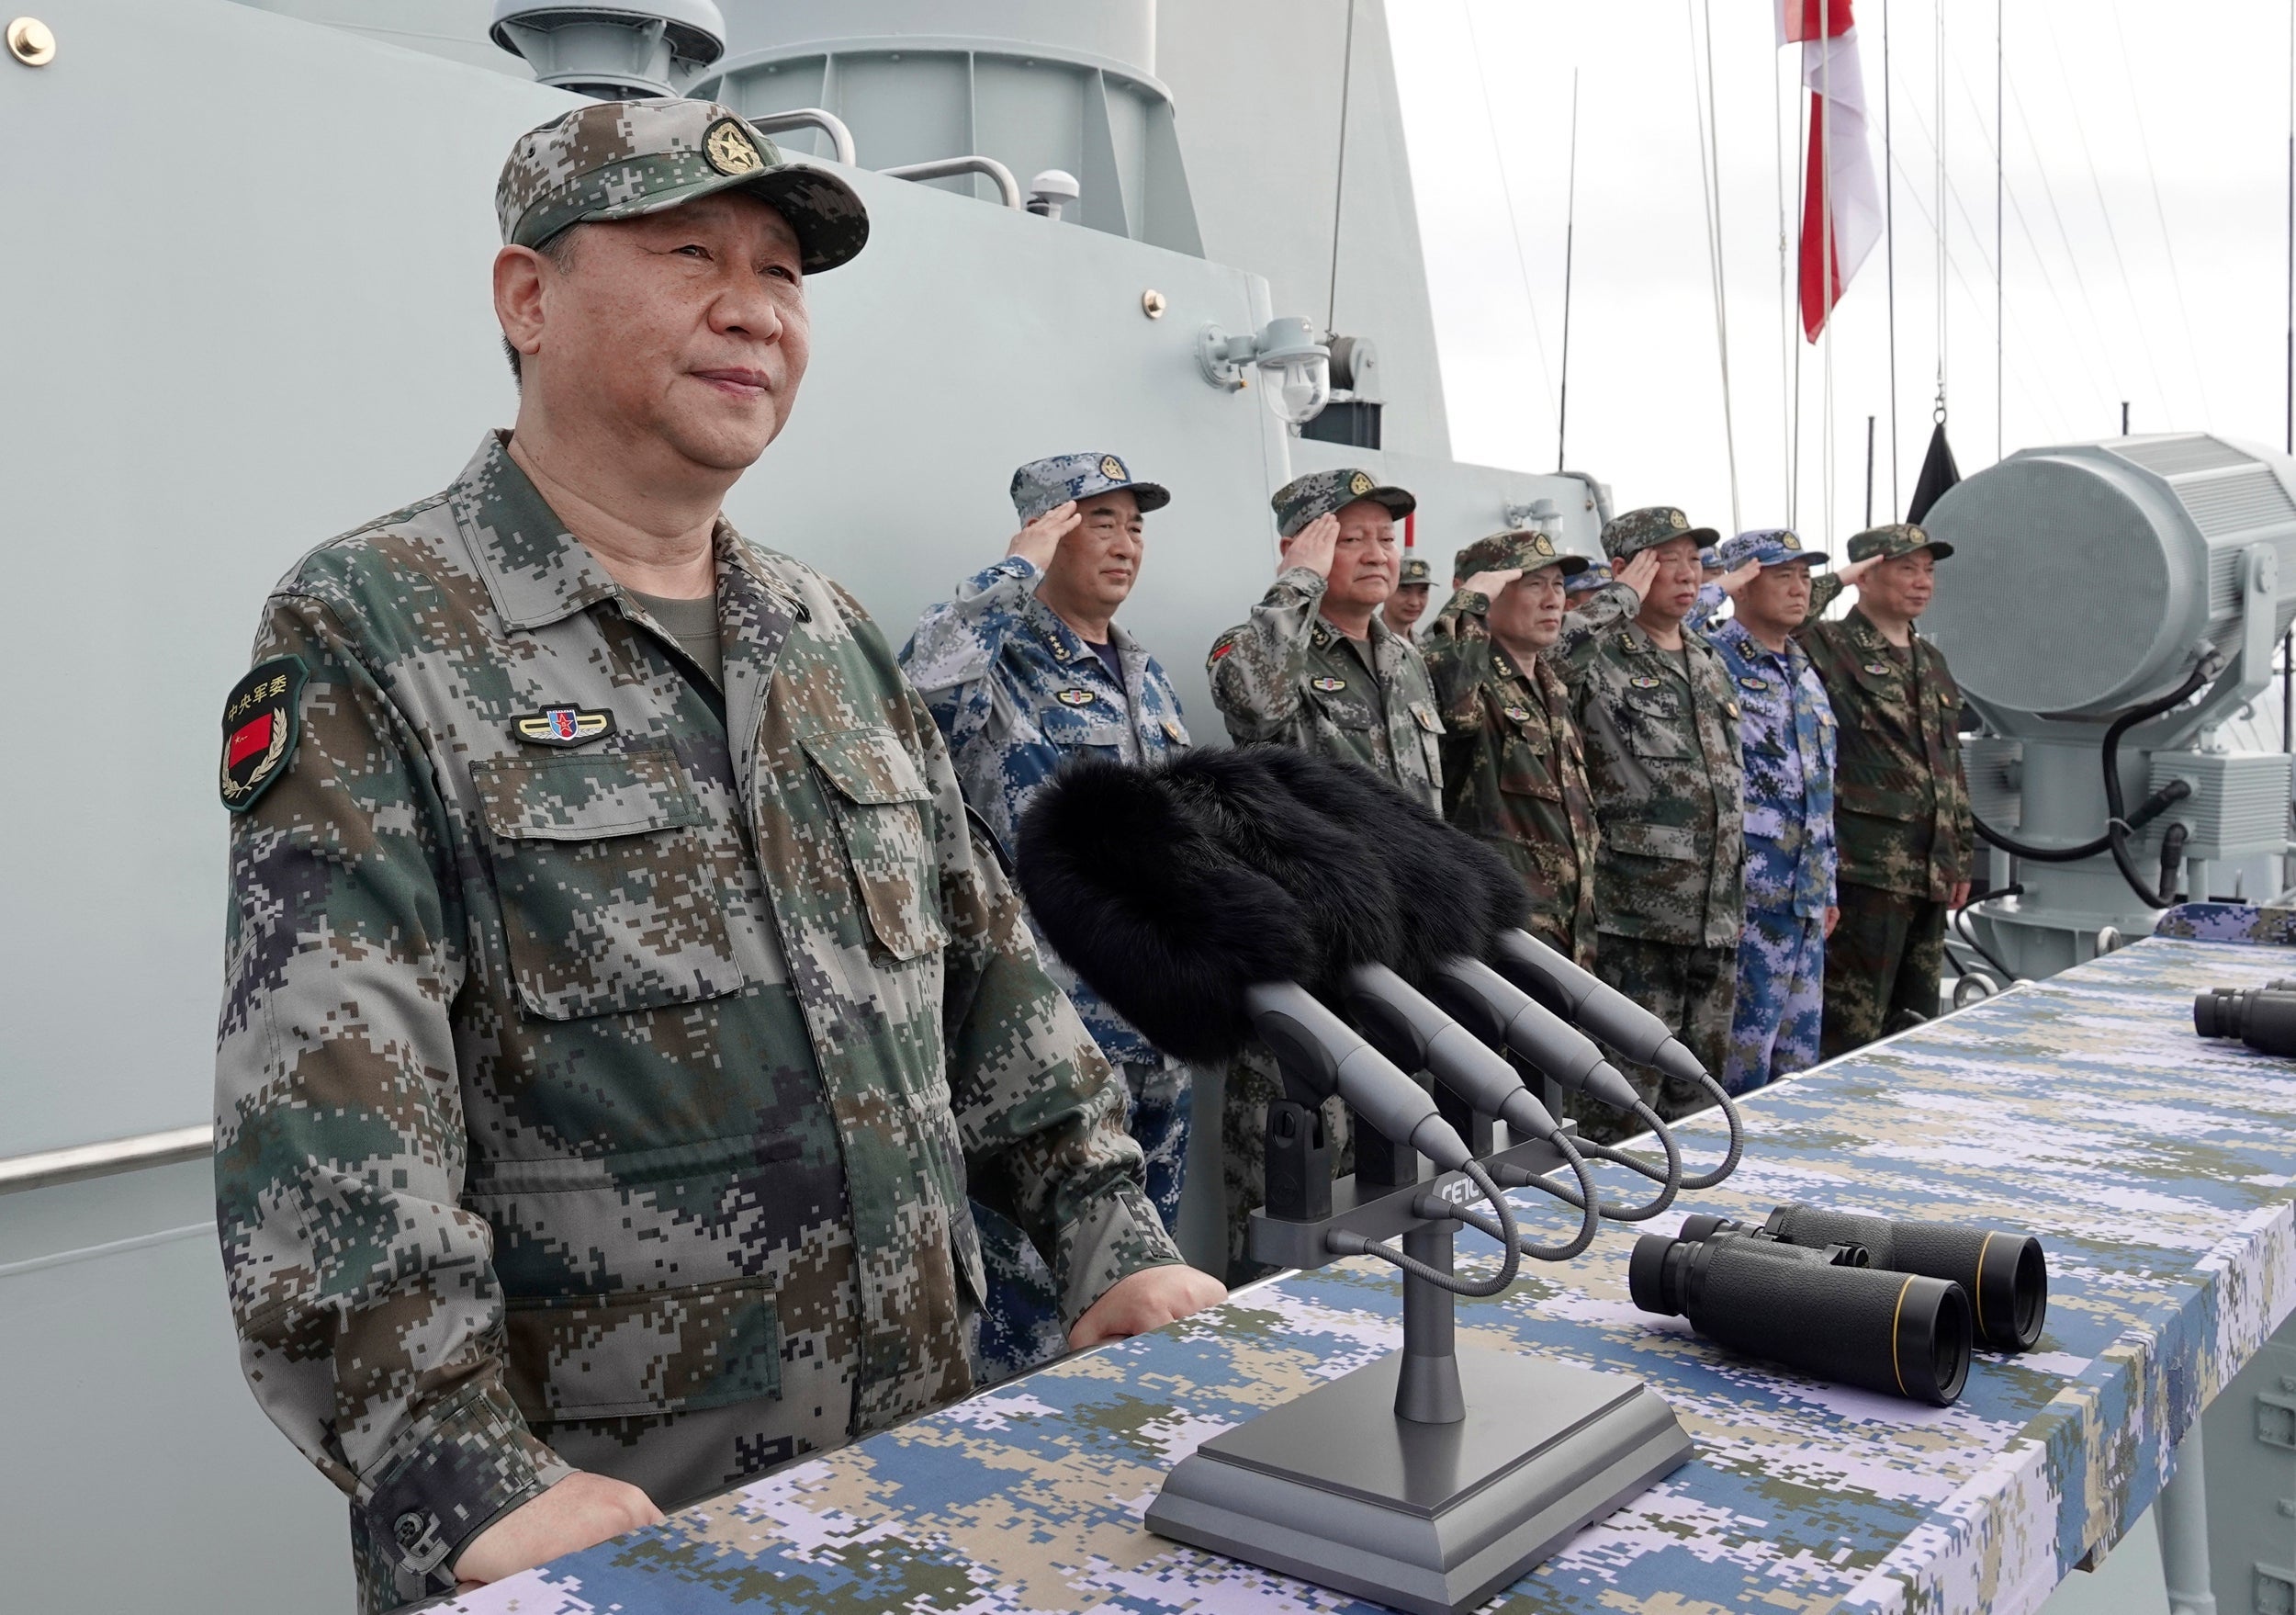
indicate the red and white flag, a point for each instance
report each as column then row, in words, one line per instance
column 1841, row 206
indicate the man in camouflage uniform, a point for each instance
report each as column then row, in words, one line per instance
column 1514, row 769
column 1787, row 730
column 1314, row 667
column 1414, row 583
column 1901, row 806
column 615, row 1015
column 1660, row 722
column 1023, row 669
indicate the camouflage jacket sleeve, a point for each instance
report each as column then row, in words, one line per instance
column 1256, row 666
column 1583, row 630
column 1705, row 612
column 370, row 1318
column 1457, row 654
column 1825, row 588
column 956, row 645
column 1039, row 1111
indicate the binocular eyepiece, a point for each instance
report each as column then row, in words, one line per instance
column 2004, row 1275
column 1820, row 1310
column 2264, row 1018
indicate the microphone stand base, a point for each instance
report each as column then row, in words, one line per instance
column 1332, row 1488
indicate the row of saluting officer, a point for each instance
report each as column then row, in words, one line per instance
column 1697, row 804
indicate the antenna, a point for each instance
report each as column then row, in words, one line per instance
column 1569, row 236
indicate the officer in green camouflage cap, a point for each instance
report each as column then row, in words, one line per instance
column 617, row 1005
column 1901, row 803
column 1514, row 768
column 1314, row 667
column 1655, row 707
column 1409, row 603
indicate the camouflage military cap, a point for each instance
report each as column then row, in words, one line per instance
column 1709, row 557
column 1532, row 552
column 621, row 159
column 1597, row 574
column 1040, row 485
column 1629, row 534
column 1416, row 573
column 1771, row 546
column 1895, row 540
column 1319, row 493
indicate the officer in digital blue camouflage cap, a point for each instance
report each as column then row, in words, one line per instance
column 1414, row 583
column 1025, row 667
column 1904, row 832
column 1313, row 666
column 1786, row 737
column 1597, row 575
column 1659, row 719
column 617, row 1007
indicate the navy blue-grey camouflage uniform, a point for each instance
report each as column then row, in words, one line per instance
column 1787, row 734
column 1017, row 691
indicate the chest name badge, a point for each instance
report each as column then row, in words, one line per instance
column 1519, row 713
column 1879, row 670
column 563, row 725
column 1327, row 685
column 259, row 729
column 1074, row 697
column 1645, row 682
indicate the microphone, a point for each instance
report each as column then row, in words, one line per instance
column 1139, row 879
column 1601, row 1009
column 1499, row 1012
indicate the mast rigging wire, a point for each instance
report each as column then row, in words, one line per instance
column 1339, row 180
column 2064, row 240
column 1506, row 190
column 1570, row 243
column 2160, row 214
column 1889, row 248
column 1710, row 186
column 1785, row 293
column 2128, row 288
column 1938, row 107
column 2000, row 253
column 1826, row 256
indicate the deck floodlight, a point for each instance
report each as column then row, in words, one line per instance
column 1295, row 368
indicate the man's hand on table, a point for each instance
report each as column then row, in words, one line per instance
column 580, row 1511
column 1146, row 1299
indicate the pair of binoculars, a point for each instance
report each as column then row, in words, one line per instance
column 1888, row 1307
column 2264, row 1018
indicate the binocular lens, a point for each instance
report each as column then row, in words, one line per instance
column 1898, row 1333
column 2264, row 1018
column 2005, row 1274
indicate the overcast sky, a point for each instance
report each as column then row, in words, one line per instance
column 2144, row 218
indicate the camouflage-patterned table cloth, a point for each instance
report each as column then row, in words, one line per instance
column 2155, row 1166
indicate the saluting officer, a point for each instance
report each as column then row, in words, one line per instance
column 1659, row 719
column 615, row 1004
column 1901, row 806
column 1314, row 666
column 1514, row 769
column 1414, row 583
column 1026, row 668
column 1787, row 731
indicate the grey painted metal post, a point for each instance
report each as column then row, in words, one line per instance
column 1427, row 1390
column 2184, row 1532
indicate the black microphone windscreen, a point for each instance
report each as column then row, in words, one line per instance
column 1129, row 884
column 1453, row 894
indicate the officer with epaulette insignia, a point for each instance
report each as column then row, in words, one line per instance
column 1026, row 668
column 1787, row 734
column 617, row 1003
column 1659, row 719
column 1314, row 667
column 1901, row 806
column 1514, row 769
column 1414, row 584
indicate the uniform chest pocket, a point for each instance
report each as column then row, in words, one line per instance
column 1524, row 749
column 1651, row 724
column 610, row 901
column 1081, row 725
column 1346, row 706
column 879, row 798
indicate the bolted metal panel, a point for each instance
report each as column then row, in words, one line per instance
column 2173, row 456
column 1993, row 766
